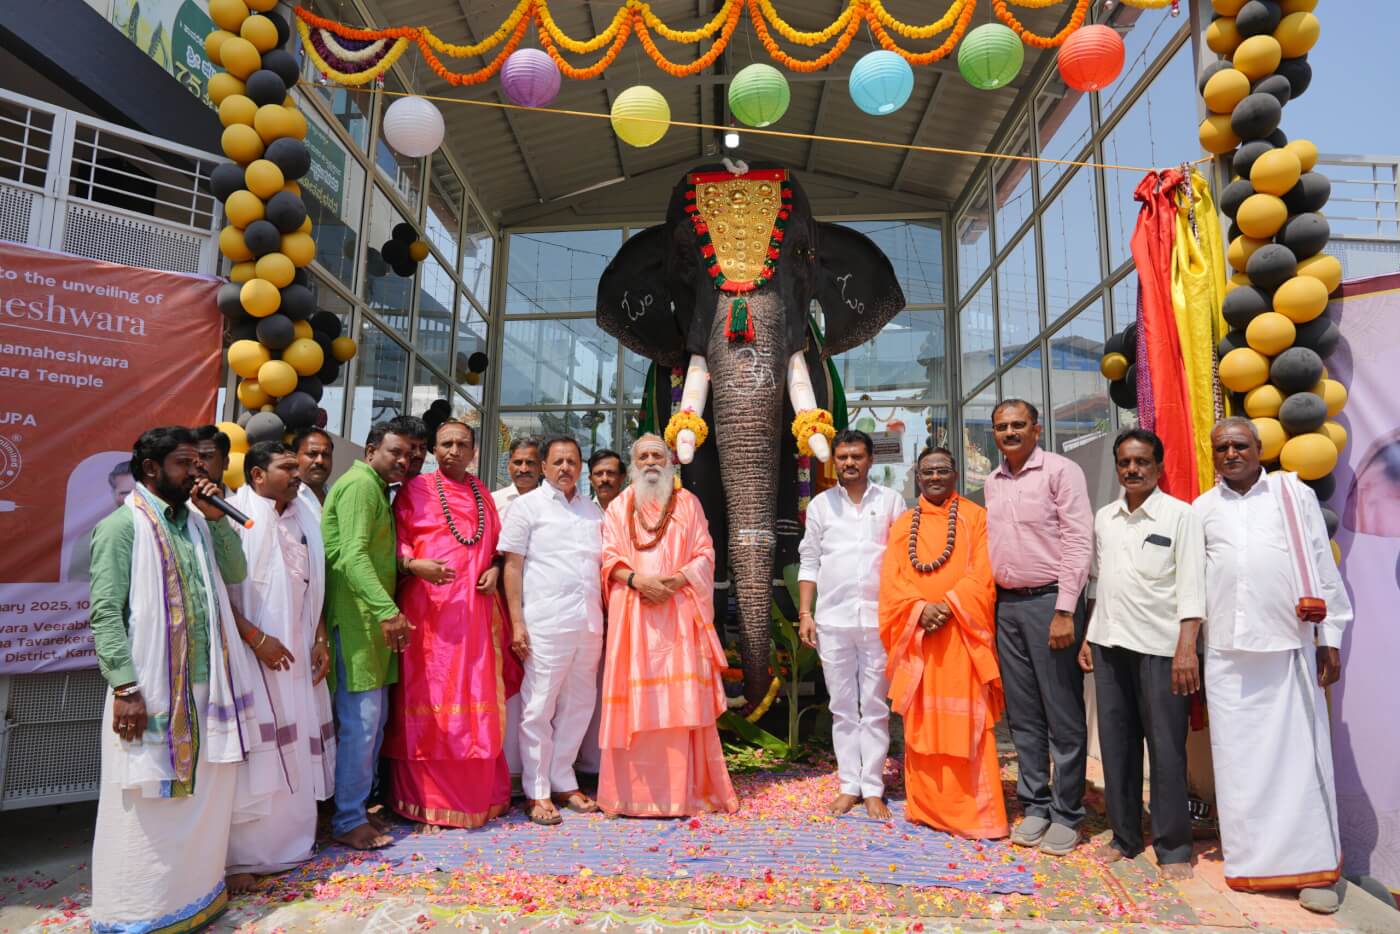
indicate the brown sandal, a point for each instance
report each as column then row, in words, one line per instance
column 577, row 802
column 532, row 811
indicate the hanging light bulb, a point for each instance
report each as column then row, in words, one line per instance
column 731, row 139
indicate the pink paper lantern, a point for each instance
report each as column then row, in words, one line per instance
column 1091, row 58
column 530, row 78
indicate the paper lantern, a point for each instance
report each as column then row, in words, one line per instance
column 759, row 95
column 1326, row 269
column 1310, row 456
column 251, row 395
column 1263, row 401
column 233, row 247
column 640, row 116
column 1243, row 369
column 264, row 178
column 228, row 14
column 881, row 82
column 1301, row 299
column 237, row 108
column 413, row 127
column 530, row 78
column 343, row 348
column 1113, row 366
column 242, row 208
column 1091, row 58
column 1297, row 33
column 1334, row 393
column 1223, row 36
column 990, row 56
column 1216, row 135
column 1257, row 56
column 246, row 357
column 1270, row 333
column 1272, row 437
column 1225, row 89
column 1261, row 216
column 1275, row 172
column 1336, row 433
column 241, row 143
column 260, row 298
column 277, row 378
column 305, row 356
column 277, row 269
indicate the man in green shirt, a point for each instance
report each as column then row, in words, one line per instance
column 367, row 629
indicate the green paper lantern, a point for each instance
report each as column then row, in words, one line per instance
column 990, row 56
column 759, row 95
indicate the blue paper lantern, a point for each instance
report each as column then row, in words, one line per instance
column 881, row 82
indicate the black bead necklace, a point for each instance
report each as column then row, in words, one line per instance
column 447, row 511
column 942, row 559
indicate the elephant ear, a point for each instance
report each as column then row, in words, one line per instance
column 636, row 295
column 856, row 287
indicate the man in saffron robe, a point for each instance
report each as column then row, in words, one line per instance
column 937, row 599
column 447, row 720
column 661, row 678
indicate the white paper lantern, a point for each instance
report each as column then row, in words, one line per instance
column 413, row 127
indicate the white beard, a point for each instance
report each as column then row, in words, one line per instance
column 652, row 487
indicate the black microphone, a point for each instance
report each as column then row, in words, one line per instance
column 223, row 505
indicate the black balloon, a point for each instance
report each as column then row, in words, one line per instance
column 311, row 386
column 1233, row 340
column 1275, row 85
column 286, row 211
column 478, row 362
column 405, row 269
column 1320, row 335
column 1298, row 72
column 1257, row 18
column 1297, row 369
column 1331, row 520
column 330, row 371
column 328, row 323
column 265, row 426
column 265, row 87
column 1324, row 487
column 1302, row 412
column 1305, row 234
column 1130, row 342
column 262, row 238
column 1233, row 196
column 1123, row 391
column 1277, row 138
column 1270, row 267
column 230, row 303
column 1310, row 194
column 1114, row 344
column 404, row 233
column 244, row 329
column 279, row 22
column 302, row 277
column 1234, row 233
column 226, row 178
column 324, row 339
column 1210, row 71
column 1256, row 116
column 395, row 252
column 290, row 155
column 284, row 64
column 297, row 302
column 1245, row 156
column 375, row 266
column 243, row 418
column 1243, row 304
column 276, row 331
column 297, row 410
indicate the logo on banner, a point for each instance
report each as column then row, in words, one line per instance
column 10, row 461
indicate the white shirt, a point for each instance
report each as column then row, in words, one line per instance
column 841, row 552
column 503, row 498
column 1149, row 574
column 307, row 496
column 1251, row 589
column 562, row 543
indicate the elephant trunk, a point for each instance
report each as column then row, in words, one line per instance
column 747, row 385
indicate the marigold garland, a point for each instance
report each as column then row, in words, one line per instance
column 811, row 422
column 688, row 36
column 701, row 63
column 352, row 79
column 958, row 10
column 1081, row 10
column 760, row 27
column 926, row 58
column 686, row 418
column 807, row 38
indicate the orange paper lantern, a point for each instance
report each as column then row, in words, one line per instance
column 1091, row 58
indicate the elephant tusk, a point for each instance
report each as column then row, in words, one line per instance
column 803, row 398
column 693, row 397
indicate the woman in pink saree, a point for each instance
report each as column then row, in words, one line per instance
column 447, row 720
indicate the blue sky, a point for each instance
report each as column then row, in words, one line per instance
column 1353, row 105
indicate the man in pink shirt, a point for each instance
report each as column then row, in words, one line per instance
column 1040, row 533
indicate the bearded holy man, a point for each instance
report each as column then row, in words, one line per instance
column 661, row 755
column 937, row 606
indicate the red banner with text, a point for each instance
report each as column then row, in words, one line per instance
column 91, row 355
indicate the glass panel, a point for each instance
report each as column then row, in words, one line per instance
column 1070, row 229
column 387, row 293
column 427, row 388
column 1078, row 392
column 974, row 242
column 905, row 360
column 915, row 427
column 435, row 291
column 1144, row 37
column 345, row 104
column 333, row 393
column 405, row 175
column 592, row 428
column 1062, row 128
column 915, row 250
column 977, row 337
column 444, row 220
column 1156, row 130
column 566, row 362
column 1018, row 309
column 1125, row 302
column 471, row 337
column 383, row 369
column 478, row 254
column 333, row 191
column 557, row 271
column 1011, row 182
column 1023, row 381
column 634, row 376
column 980, row 455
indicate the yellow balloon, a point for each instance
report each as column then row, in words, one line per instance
column 1243, row 368
column 243, row 207
column 1113, row 366
column 1334, row 393
column 241, row 143
column 343, row 348
column 1216, row 134
column 242, row 272
column 1298, row 6
column 1235, row 281
column 1305, row 150
column 277, row 269
column 1261, row 216
column 1311, row 456
column 1276, row 171
column 1241, row 249
column 300, row 248
column 1257, row 56
column 1326, row 269
column 263, row 178
column 1336, row 433
column 1223, row 36
column 233, row 473
column 213, row 42
column 251, row 395
column 240, row 57
column 237, row 437
column 305, row 225
column 296, row 122
column 1263, row 401
column 259, row 30
column 302, row 329
column 221, row 85
column 1301, row 298
column 418, row 250
column 305, row 356
column 289, row 102
column 1297, row 33
column 246, row 357
column 472, row 379
column 269, row 407
column 1272, row 437
column 228, row 14
column 1270, row 333
column 237, row 108
column 277, row 378
column 1225, row 89
column 1227, row 7
column 273, row 121
column 293, row 187
column 260, row 298
column 232, row 246
column 262, row 6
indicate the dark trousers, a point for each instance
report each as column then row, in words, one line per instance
column 1136, row 703
column 1044, row 706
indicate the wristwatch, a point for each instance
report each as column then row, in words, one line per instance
column 631, row 575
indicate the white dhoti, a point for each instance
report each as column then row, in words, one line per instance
column 853, row 666
column 511, row 741
column 1273, row 770
column 158, row 863
column 557, row 696
column 590, row 755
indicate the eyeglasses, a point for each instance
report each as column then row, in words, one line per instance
column 937, row 472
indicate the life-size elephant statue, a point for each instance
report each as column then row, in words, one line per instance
column 723, row 289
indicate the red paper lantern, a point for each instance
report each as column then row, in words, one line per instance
column 1091, row 58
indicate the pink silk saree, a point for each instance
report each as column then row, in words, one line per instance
column 447, row 720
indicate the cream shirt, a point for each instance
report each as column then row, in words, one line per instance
column 1149, row 574
column 562, row 543
column 841, row 552
column 503, row 498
